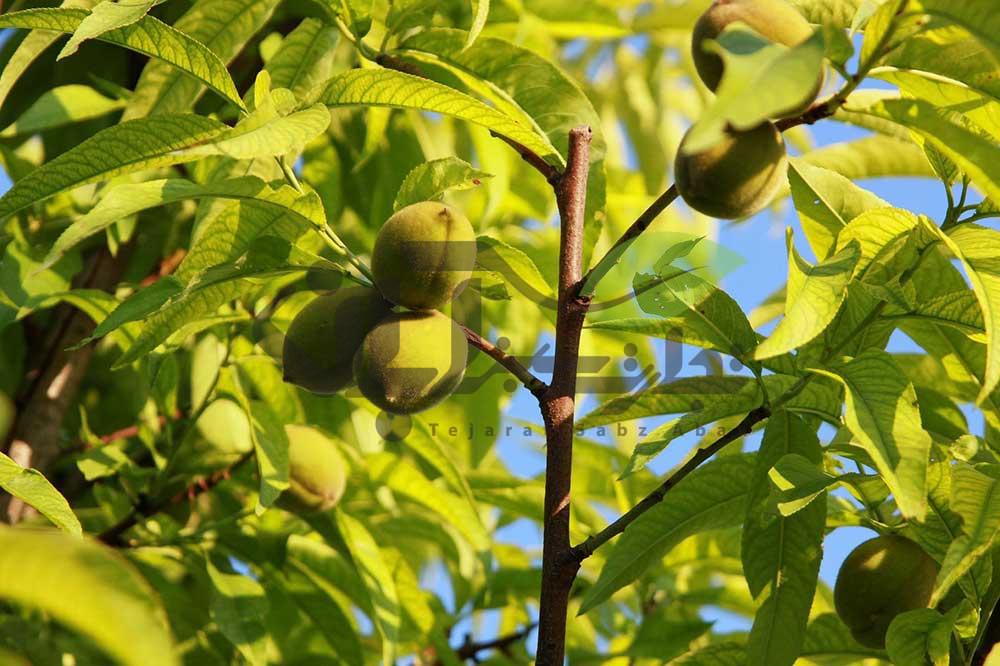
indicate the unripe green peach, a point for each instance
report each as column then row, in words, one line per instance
column 7, row 415
column 322, row 339
column 880, row 579
column 317, row 472
column 776, row 20
column 735, row 178
column 411, row 361
column 423, row 255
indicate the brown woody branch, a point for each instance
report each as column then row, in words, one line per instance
column 558, row 405
column 523, row 375
column 470, row 649
column 147, row 508
column 551, row 173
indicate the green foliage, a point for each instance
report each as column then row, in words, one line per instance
column 220, row 325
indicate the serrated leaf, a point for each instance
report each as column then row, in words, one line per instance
column 836, row 13
column 383, row 87
column 883, row 416
column 105, row 16
column 977, row 249
column 403, row 478
column 265, row 133
column 920, row 634
column 378, row 581
column 812, row 299
column 130, row 146
column 826, row 202
column 430, row 180
column 975, row 498
column 60, row 106
column 223, row 27
column 753, row 64
column 515, row 266
column 703, row 313
column 781, row 555
column 713, row 496
column 129, row 199
column 31, row 487
column 90, row 589
column 239, row 607
column 975, row 154
column 305, row 57
column 149, row 36
column 874, row 156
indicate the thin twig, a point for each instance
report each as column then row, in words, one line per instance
column 113, row 536
column 470, row 649
column 586, row 549
column 551, row 173
column 523, row 375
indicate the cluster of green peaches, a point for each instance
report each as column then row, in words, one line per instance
column 742, row 174
column 404, row 359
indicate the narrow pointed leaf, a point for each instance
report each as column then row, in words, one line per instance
column 32, row 488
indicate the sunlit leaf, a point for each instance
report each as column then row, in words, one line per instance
column 431, row 180
column 32, row 488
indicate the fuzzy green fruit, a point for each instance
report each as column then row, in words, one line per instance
column 424, row 255
column 735, row 178
column 411, row 361
column 317, row 472
column 7, row 415
column 323, row 338
column 880, row 579
column 775, row 20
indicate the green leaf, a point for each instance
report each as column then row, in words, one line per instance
column 826, row 202
column 129, row 199
column 918, row 634
column 430, row 180
column 60, row 106
column 130, row 146
column 223, row 27
column 30, row 48
column 882, row 415
column 405, row 479
column 828, row 640
column 979, row 17
column 305, row 57
column 90, row 589
column 265, row 133
column 874, row 156
column 515, row 266
column 753, row 64
column 270, row 443
column 975, row 498
column 378, row 581
column 357, row 14
column 719, row 654
column 782, row 554
column 836, row 13
column 384, row 87
column 31, row 487
column 975, row 154
column 799, row 481
column 812, row 299
column 713, row 496
column 680, row 395
column 137, row 306
column 105, row 16
column 877, row 232
column 480, row 12
column 239, row 607
column 703, row 314
column 180, row 52
column 977, row 249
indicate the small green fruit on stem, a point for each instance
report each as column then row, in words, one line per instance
column 880, row 579
column 317, row 471
column 411, row 361
column 424, row 255
column 321, row 341
column 735, row 178
column 7, row 415
column 775, row 20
